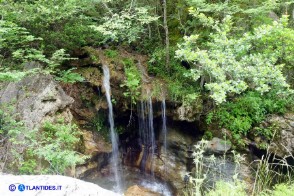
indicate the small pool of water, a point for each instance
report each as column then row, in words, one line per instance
column 130, row 177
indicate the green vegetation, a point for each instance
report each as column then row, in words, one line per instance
column 111, row 53
column 241, row 114
column 234, row 65
column 49, row 152
column 208, row 167
column 269, row 179
column 56, row 145
column 133, row 80
column 229, row 62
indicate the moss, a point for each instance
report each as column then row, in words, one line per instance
column 94, row 54
column 91, row 74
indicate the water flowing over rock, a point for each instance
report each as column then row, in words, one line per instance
column 175, row 163
column 114, row 139
column 69, row 186
column 164, row 129
column 147, row 138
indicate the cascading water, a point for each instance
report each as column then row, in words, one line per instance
column 146, row 132
column 164, row 129
column 114, row 139
column 151, row 137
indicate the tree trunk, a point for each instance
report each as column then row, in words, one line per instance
column 167, row 57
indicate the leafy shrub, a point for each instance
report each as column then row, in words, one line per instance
column 236, row 188
column 283, row 189
column 111, row 53
column 233, row 65
column 126, row 25
column 57, row 144
column 199, row 182
column 242, row 113
column 132, row 81
column 54, row 145
column 68, row 76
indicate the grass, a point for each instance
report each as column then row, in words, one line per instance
column 273, row 176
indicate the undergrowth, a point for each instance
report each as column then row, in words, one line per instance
column 273, row 176
column 242, row 113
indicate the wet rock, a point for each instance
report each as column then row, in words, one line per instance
column 94, row 144
column 87, row 56
column 173, row 166
column 87, row 102
column 140, row 191
column 98, row 151
column 69, row 186
column 218, row 146
column 82, row 170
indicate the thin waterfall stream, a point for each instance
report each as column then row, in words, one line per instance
column 114, row 137
column 164, row 129
column 146, row 132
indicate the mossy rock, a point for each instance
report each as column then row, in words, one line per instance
column 92, row 75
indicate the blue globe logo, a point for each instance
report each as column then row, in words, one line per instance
column 21, row 187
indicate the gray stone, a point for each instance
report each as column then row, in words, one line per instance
column 172, row 165
column 218, row 146
column 187, row 113
column 69, row 186
column 292, row 124
column 34, row 98
column 283, row 143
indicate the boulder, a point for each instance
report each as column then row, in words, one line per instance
column 34, row 98
column 12, row 185
column 187, row 113
column 140, row 191
column 176, row 162
column 94, row 144
column 39, row 98
column 218, row 146
column 283, row 143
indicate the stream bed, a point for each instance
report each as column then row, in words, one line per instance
column 131, row 177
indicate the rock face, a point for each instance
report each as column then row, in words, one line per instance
column 173, row 166
column 218, row 146
column 39, row 98
column 283, row 143
column 35, row 98
column 188, row 113
column 67, row 186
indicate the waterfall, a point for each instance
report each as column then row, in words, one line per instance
column 164, row 130
column 151, row 136
column 114, row 138
column 146, row 133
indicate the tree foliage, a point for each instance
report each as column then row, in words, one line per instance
column 233, row 65
column 127, row 25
